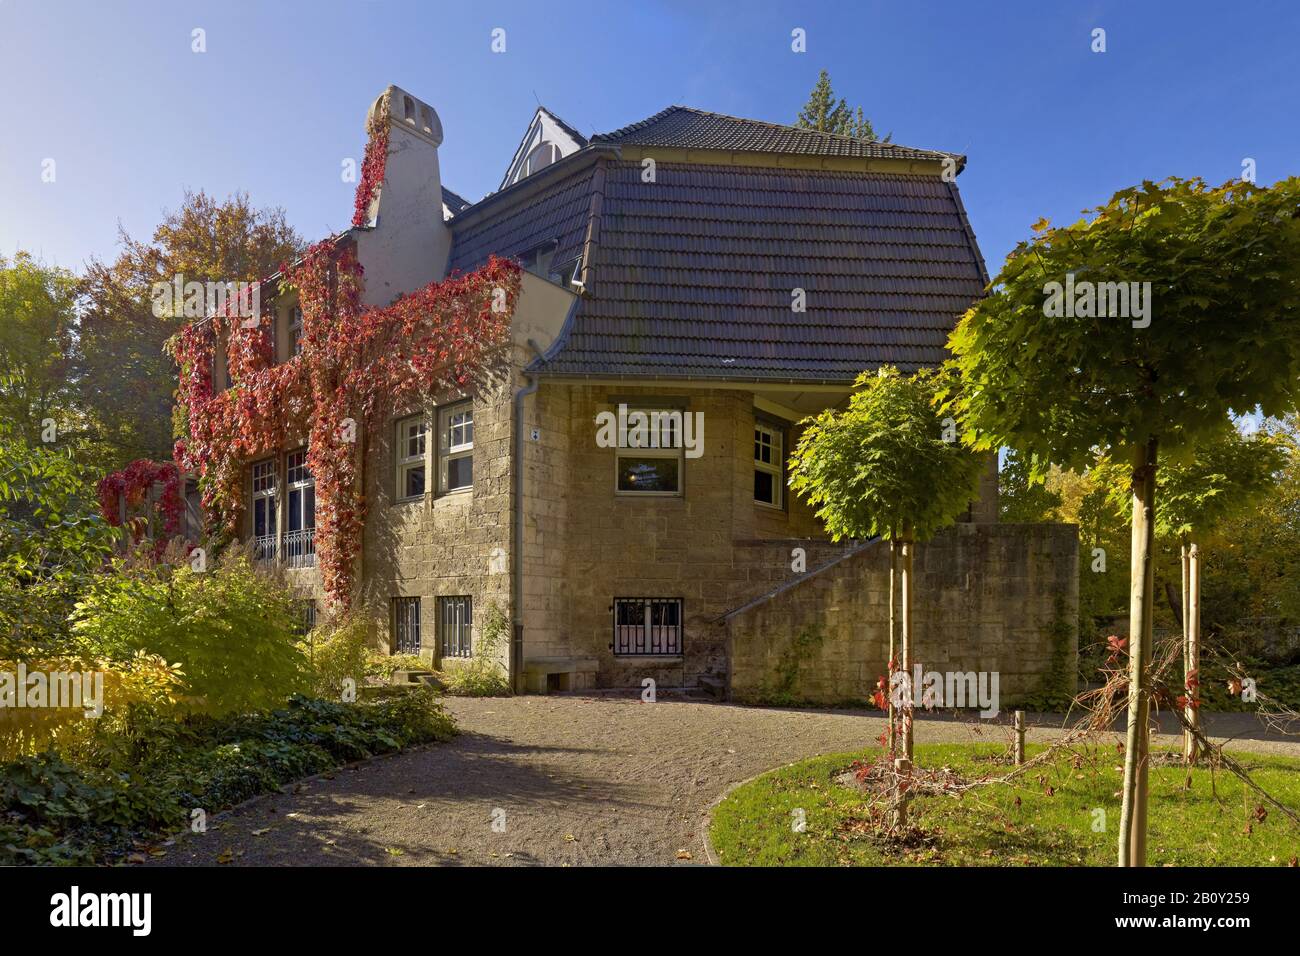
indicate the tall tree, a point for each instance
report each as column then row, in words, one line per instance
column 888, row 465
column 1223, row 267
column 824, row 114
column 125, row 380
column 37, row 321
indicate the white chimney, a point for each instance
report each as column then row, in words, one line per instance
column 408, row 246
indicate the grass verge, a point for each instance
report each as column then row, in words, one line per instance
column 1065, row 813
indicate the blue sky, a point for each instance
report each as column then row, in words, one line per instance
column 113, row 93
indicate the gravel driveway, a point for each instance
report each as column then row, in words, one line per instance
column 557, row 780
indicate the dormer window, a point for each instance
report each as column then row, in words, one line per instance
column 543, row 155
column 538, row 259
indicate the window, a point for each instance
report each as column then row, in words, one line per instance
column 295, row 331
column 650, row 453
column 306, row 622
column 538, row 259
column 406, row 625
column 543, row 155
column 767, row 465
column 455, row 620
column 300, row 519
column 456, row 447
column 647, row 626
column 264, row 510
column 412, row 443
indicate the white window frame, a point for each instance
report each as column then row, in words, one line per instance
column 265, row 487
column 406, row 462
column 450, row 449
column 776, row 447
column 301, row 484
column 678, row 453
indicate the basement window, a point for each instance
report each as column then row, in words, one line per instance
column 646, row 627
column 406, row 625
column 455, row 622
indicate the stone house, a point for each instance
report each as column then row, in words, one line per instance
column 724, row 278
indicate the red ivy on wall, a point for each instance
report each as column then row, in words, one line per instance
column 357, row 367
column 372, row 167
column 131, row 485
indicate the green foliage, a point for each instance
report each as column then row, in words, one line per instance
column 1021, row 498
column 1228, row 471
column 822, row 113
column 52, row 541
column 146, row 778
column 232, row 628
column 37, row 319
column 1224, row 332
column 338, row 650
column 882, row 466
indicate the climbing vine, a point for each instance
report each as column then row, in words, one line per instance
column 357, row 366
column 373, row 164
column 131, row 485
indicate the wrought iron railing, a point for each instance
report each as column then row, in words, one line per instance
column 300, row 548
column 647, row 627
column 264, row 547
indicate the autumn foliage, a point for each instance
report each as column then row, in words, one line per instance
column 357, row 366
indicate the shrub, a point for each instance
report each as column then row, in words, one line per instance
column 231, row 628
column 338, row 651
column 148, row 777
column 142, row 680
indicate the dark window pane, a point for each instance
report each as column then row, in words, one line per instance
column 414, row 483
column 765, row 487
column 460, row 473
column 648, row 474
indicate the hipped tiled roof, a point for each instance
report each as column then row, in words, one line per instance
column 692, row 275
column 686, row 128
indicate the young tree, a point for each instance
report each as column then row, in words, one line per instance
column 1212, row 325
column 890, row 466
column 1229, row 472
column 822, row 113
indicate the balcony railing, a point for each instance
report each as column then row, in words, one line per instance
column 300, row 548
column 296, row 549
column 264, row 547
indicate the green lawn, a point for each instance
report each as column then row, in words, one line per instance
column 1215, row 823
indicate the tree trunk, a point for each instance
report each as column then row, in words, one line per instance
column 1133, row 815
column 1192, row 652
column 889, row 664
column 906, row 662
column 903, row 763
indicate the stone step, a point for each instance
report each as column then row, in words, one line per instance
column 715, row 687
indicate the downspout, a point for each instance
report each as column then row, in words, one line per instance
column 517, row 545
